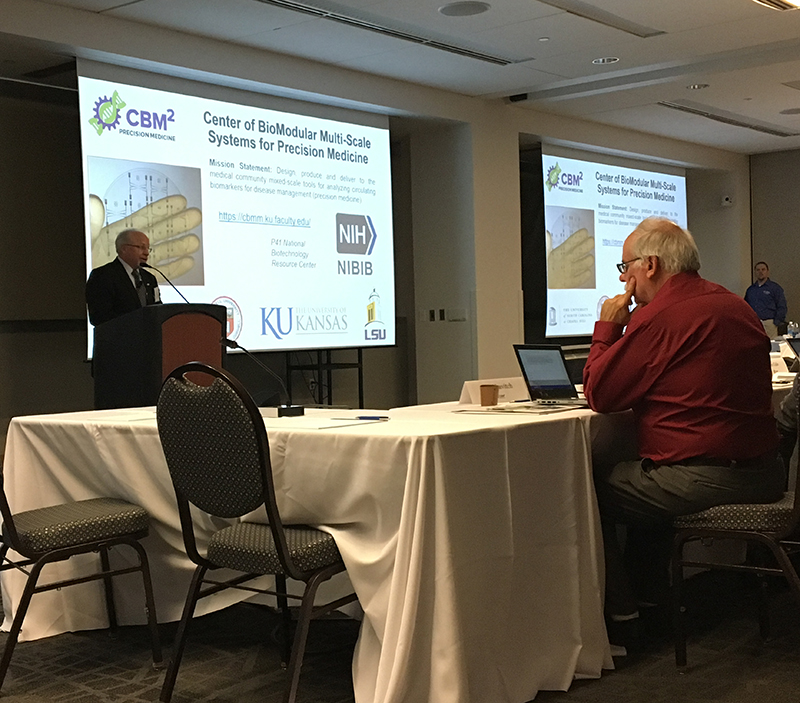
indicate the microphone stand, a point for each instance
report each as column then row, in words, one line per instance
column 283, row 410
column 144, row 264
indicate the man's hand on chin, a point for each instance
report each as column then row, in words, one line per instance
column 617, row 309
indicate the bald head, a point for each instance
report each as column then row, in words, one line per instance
column 133, row 247
column 674, row 246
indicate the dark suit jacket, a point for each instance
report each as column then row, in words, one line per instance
column 110, row 292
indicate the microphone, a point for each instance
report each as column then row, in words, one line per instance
column 144, row 264
column 283, row 410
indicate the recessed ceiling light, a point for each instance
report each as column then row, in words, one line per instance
column 605, row 60
column 544, row 38
column 464, row 9
column 697, row 86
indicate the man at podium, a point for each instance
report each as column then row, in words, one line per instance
column 122, row 285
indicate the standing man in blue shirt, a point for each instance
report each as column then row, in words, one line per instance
column 768, row 300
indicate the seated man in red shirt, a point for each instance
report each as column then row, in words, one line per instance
column 693, row 364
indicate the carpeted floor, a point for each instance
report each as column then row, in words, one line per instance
column 231, row 658
column 727, row 660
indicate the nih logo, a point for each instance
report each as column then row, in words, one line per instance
column 355, row 235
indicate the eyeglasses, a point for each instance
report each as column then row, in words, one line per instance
column 141, row 247
column 622, row 266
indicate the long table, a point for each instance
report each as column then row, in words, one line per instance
column 472, row 540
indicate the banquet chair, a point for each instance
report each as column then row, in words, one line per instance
column 57, row 533
column 775, row 526
column 217, row 451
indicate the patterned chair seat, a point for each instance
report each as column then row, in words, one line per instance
column 250, row 547
column 769, row 526
column 70, row 524
column 752, row 517
column 44, row 536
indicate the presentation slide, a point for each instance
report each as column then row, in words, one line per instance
column 284, row 219
column 590, row 209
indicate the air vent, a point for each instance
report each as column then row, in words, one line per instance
column 363, row 20
column 778, row 4
column 727, row 119
column 595, row 14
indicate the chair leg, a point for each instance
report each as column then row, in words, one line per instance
column 286, row 619
column 150, row 604
column 300, row 636
column 108, row 588
column 763, row 607
column 678, row 623
column 788, row 569
column 180, row 635
column 16, row 626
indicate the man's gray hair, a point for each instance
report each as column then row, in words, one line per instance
column 123, row 238
column 674, row 246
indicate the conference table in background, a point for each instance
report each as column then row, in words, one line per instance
column 472, row 539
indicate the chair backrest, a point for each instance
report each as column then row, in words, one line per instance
column 217, row 451
column 792, row 531
column 212, row 444
column 9, row 529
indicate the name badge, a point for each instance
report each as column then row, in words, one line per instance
column 511, row 390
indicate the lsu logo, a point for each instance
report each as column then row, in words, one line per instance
column 374, row 330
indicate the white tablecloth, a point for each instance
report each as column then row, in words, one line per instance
column 472, row 541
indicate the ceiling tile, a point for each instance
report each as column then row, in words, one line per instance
column 450, row 72
column 238, row 18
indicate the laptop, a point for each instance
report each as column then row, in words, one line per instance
column 792, row 364
column 545, row 372
column 794, row 345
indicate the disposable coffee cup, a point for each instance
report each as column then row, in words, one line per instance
column 489, row 394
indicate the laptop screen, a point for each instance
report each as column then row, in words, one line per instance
column 794, row 344
column 545, row 371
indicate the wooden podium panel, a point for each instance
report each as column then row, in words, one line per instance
column 133, row 353
column 190, row 337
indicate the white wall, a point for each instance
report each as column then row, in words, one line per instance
column 498, row 279
column 444, row 258
column 776, row 221
column 722, row 232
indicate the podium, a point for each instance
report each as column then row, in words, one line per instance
column 133, row 353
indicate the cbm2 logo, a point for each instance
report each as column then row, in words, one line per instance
column 355, row 234
column 556, row 177
column 108, row 113
column 278, row 321
column 150, row 120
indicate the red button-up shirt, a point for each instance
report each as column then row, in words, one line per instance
column 694, row 366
